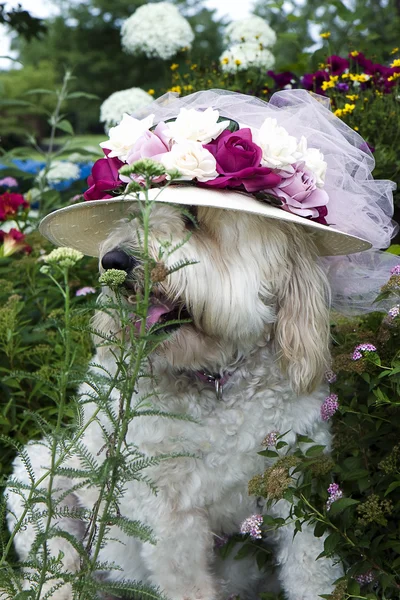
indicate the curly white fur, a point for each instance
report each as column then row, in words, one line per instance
column 259, row 305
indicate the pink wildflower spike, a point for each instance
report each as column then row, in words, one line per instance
column 271, row 439
column 365, row 578
column 361, row 349
column 252, row 526
column 85, row 291
column 335, row 493
column 395, row 270
column 329, row 407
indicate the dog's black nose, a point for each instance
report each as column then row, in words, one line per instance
column 118, row 259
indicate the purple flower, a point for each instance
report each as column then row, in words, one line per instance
column 252, row 526
column 337, row 65
column 335, row 493
column 282, row 79
column 300, row 194
column 220, row 540
column 367, row 64
column 329, row 407
column 314, row 81
column 365, row 147
column 85, row 291
column 330, row 376
column 8, row 182
column 362, row 349
column 395, row 270
column 104, row 178
column 271, row 439
column 238, row 162
column 149, row 145
column 342, row 87
column 365, row 578
column 394, row 311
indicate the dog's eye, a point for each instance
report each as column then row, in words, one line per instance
column 118, row 259
column 190, row 217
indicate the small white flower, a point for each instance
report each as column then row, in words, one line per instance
column 62, row 171
column 314, row 160
column 124, row 101
column 280, row 150
column 191, row 160
column 196, row 126
column 123, row 136
column 253, row 29
column 241, row 57
column 64, row 257
column 156, row 30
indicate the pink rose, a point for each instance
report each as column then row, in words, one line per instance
column 238, row 162
column 149, row 145
column 301, row 196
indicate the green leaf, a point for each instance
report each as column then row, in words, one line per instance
column 66, row 126
column 269, row 453
column 315, row 450
column 40, row 91
column 331, row 542
column 340, row 505
column 73, row 95
column 394, row 485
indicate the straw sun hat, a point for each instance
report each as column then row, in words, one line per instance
column 237, row 152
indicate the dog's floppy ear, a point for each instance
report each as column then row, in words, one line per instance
column 302, row 324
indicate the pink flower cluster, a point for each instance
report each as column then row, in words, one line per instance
column 271, row 438
column 365, row 578
column 252, row 526
column 329, row 407
column 10, row 204
column 395, row 270
column 394, row 311
column 361, row 349
column 13, row 241
column 335, row 493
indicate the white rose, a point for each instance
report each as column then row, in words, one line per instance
column 314, row 160
column 196, row 125
column 280, row 150
column 123, row 136
column 191, row 160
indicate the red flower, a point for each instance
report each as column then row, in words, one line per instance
column 13, row 241
column 9, row 205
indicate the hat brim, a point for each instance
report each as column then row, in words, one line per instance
column 85, row 225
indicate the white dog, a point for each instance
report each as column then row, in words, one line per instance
column 258, row 302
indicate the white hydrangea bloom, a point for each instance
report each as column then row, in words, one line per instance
column 280, row 150
column 123, row 136
column 156, row 30
column 241, row 57
column 196, row 125
column 62, row 170
column 125, row 101
column 191, row 160
column 251, row 30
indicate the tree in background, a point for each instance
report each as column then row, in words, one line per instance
column 86, row 38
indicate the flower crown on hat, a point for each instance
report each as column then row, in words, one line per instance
column 216, row 152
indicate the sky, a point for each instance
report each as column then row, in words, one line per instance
column 234, row 9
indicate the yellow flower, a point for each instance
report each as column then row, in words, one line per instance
column 345, row 75
column 188, row 88
column 354, row 53
column 151, row 92
column 356, row 128
column 238, row 62
column 348, row 108
column 321, row 66
column 325, row 35
column 362, row 78
column 338, row 112
column 394, row 50
column 394, row 77
column 331, row 83
column 175, row 88
column 225, row 60
column 193, row 67
column 352, row 97
column 378, row 93
column 396, row 63
column 174, row 67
